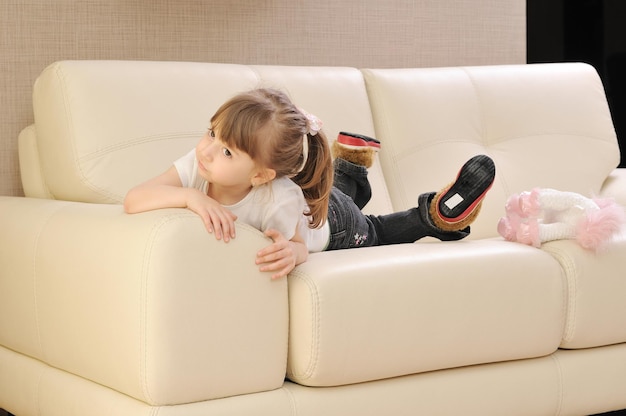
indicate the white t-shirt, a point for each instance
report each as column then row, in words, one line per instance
column 279, row 204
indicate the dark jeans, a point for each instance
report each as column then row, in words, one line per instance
column 350, row 228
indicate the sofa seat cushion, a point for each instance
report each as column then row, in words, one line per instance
column 375, row 313
column 596, row 285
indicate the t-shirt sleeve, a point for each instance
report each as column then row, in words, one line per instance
column 184, row 167
column 287, row 211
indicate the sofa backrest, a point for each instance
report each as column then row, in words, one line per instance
column 545, row 125
column 102, row 127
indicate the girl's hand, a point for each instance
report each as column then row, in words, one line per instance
column 166, row 191
column 216, row 218
column 282, row 256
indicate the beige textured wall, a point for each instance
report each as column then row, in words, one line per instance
column 358, row 33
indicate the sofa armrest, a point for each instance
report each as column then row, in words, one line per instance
column 615, row 186
column 147, row 304
column 33, row 182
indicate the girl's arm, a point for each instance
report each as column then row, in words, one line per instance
column 166, row 191
column 283, row 255
column 163, row 191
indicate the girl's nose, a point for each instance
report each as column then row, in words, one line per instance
column 209, row 151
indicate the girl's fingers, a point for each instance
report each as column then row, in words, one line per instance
column 280, row 267
column 223, row 226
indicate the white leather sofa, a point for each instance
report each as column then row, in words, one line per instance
column 105, row 313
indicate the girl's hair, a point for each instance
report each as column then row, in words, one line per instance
column 266, row 125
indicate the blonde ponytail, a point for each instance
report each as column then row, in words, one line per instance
column 316, row 178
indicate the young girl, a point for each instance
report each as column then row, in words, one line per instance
column 267, row 163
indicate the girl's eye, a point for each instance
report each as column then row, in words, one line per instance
column 226, row 152
column 211, row 133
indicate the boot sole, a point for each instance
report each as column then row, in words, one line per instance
column 470, row 187
column 357, row 141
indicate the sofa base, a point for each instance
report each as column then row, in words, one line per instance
column 568, row 382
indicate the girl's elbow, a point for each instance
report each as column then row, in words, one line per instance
column 134, row 201
column 129, row 207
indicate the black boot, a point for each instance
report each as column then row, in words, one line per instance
column 424, row 202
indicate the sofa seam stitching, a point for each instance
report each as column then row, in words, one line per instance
column 143, row 307
column 315, row 318
column 570, row 290
column 36, row 248
column 559, row 373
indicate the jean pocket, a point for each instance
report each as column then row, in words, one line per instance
column 337, row 240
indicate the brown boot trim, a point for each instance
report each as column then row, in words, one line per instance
column 361, row 157
column 450, row 226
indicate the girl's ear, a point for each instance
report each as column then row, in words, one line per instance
column 263, row 176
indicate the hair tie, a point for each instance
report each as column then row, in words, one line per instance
column 314, row 124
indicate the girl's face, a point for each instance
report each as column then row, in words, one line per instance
column 223, row 166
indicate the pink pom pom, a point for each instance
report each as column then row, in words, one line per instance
column 529, row 203
column 604, row 202
column 513, row 206
column 528, row 233
column 524, row 205
column 506, row 229
column 598, row 227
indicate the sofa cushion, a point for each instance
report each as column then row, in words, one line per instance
column 545, row 125
column 380, row 312
column 105, row 126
